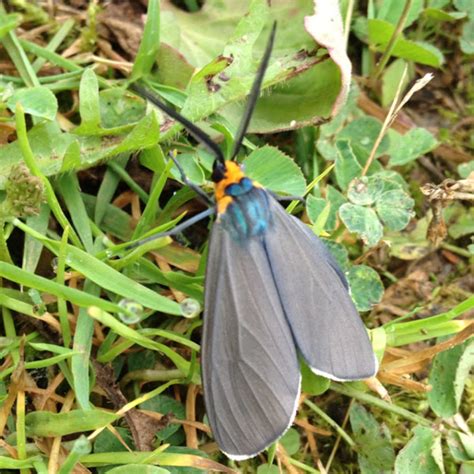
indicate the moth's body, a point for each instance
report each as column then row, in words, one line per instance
column 271, row 288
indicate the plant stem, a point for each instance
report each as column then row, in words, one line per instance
column 331, row 422
column 393, row 40
column 344, row 389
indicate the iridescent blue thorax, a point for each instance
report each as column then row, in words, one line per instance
column 247, row 215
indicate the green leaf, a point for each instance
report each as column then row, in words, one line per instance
column 311, row 383
column 395, row 209
column 138, row 469
column 48, row 424
column 441, row 15
column 165, row 404
column 411, row 245
column 467, row 37
column 191, row 168
column 363, row 191
column 339, row 252
column 89, row 102
column 70, row 191
column 49, row 144
column 302, row 100
column 448, row 376
column 375, row 452
column 291, row 441
column 266, row 469
column 110, row 279
column 37, row 101
column 412, row 145
column 304, row 88
column 107, row 441
column 391, row 10
column 150, row 42
column 363, row 133
column 391, row 78
column 380, row 33
column 8, row 22
column 347, row 166
column 363, row 221
column 118, row 107
column 366, row 287
column 29, row 279
column 316, row 205
column 387, row 180
column 460, row 220
column 465, row 6
column 336, row 200
column 422, row 454
column 276, row 171
column 465, row 169
column 461, row 446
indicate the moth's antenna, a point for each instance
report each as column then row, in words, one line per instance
column 200, row 135
column 254, row 93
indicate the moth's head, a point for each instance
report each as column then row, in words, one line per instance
column 229, row 171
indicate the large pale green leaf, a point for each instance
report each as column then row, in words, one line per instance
column 226, row 39
column 301, row 100
column 201, row 36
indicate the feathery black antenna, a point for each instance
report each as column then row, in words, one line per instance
column 254, row 93
column 200, row 135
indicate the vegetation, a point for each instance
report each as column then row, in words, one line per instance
column 100, row 343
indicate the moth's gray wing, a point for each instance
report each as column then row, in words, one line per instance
column 250, row 368
column 324, row 321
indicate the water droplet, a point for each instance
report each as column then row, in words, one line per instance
column 134, row 311
column 190, row 308
column 54, row 264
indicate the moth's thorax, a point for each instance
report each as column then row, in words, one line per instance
column 242, row 204
column 223, row 189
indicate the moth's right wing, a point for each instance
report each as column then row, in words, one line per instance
column 324, row 321
column 250, row 368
